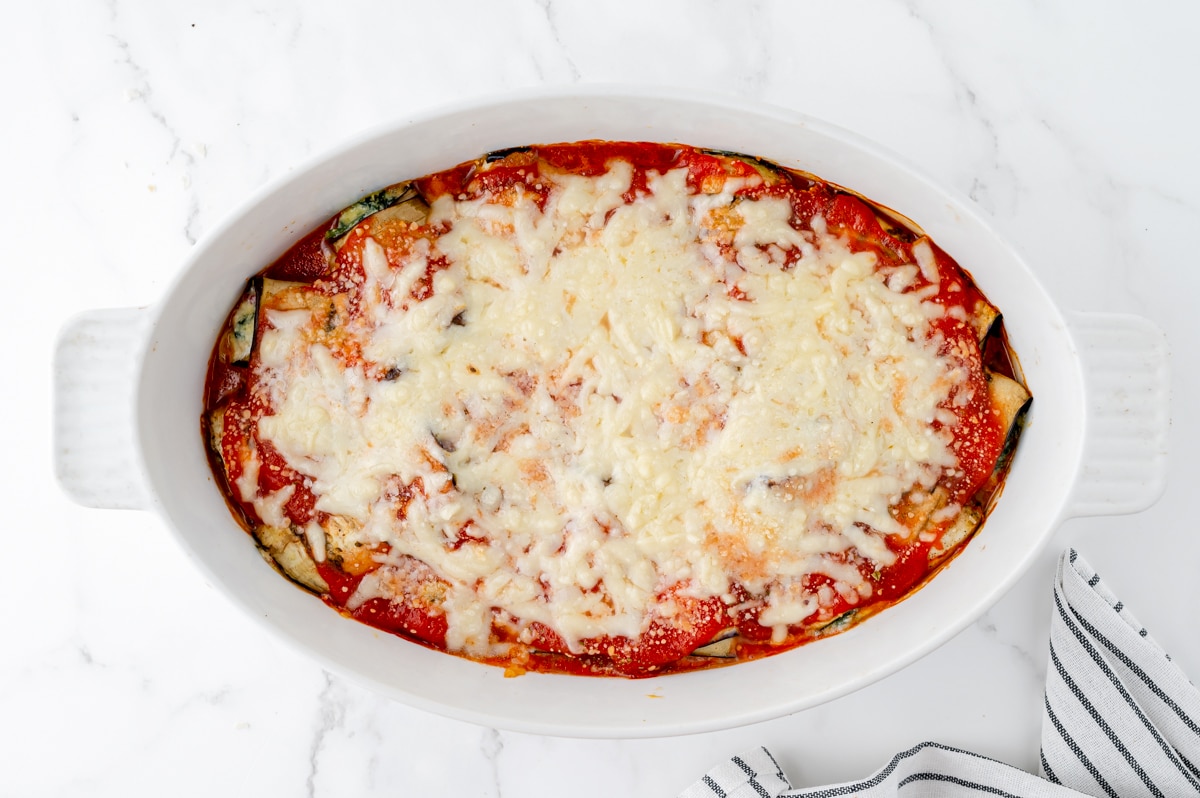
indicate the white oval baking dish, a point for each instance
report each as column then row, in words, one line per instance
column 129, row 386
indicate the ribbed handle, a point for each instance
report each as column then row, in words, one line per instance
column 95, row 368
column 1126, row 378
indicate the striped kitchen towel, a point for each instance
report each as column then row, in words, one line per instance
column 1119, row 719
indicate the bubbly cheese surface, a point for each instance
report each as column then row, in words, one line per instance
column 598, row 400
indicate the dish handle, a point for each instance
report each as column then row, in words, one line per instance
column 1127, row 396
column 95, row 374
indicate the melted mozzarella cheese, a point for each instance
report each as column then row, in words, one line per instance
column 609, row 418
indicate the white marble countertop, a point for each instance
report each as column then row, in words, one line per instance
column 134, row 126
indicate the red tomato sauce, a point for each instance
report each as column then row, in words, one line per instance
column 306, row 261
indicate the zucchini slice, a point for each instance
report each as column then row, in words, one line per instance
column 964, row 526
column 284, row 549
column 216, row 434
column 500, row 155
column 1011, row 401
column 343, row 550
column 983, row 320
column 769, row 172
column 238, row 341
column 838, row 624
column 723, row 646
column 273, row 288
column 919, row 515
column 240, row 338
column 397, row 195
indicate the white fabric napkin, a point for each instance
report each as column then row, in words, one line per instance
column 1119, row 719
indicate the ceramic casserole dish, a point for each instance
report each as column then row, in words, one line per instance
column 130, row 384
